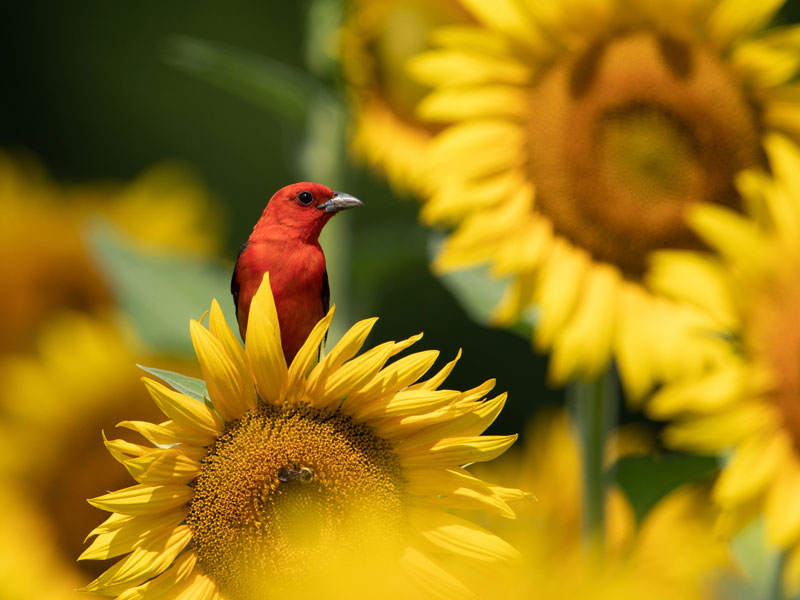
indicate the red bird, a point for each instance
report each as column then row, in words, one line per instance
column 285, row 242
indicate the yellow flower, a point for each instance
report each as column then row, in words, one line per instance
column 44, row 259
column 582, row 130
column 671, row 553
column 289, row 473
column 80, row 379
column 377, row 40
column 749, row 402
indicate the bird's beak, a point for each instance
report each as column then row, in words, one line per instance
column 339, row 202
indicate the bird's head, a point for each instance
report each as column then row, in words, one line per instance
column 306, row 207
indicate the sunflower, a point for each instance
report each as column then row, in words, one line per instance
column 377, row 40
column 44, row 258
column 288, row 474
column 748, row 404
column 580, row 132
column 672, row 552
column 50, row 399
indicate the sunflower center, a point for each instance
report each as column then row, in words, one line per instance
column 630, row 133
column 775, row 336
column 286, row 489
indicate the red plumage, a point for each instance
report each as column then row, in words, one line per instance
column 285, row 242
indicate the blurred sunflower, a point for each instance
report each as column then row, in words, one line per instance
column 671, row 553
column 298, row 472
column 751, row 402
column 56, row 402
column 582, row 131
column 377, row 40
column 44, row 258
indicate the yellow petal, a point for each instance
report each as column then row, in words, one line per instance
column 407, row 402
column 396, row 376
column 434, row 382
column 184, row 411
column 451, row 104
column 344, row 350
column 456, row 451
column 263, row 346
column 155, row 434
column 750, row 469
column 561, row 278
column 169, row 466
column 129, row 536
column 733, row 19
column 152, row 558
column 168, row 583
column 782, row 509
column 306, row 357
column 460, row 537
column 705, row 394
column 230, row 389
column 714, row 433
column 144, row 499
column 584, row 345
column 432, row 577
column 733, row 236
column 353, row 375
column 456, row 488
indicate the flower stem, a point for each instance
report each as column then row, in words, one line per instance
column 594, row 405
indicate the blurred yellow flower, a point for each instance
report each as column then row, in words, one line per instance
column 582, row 130
column 82, row 378
column 344, row 467
column 377, row 40
column 749, row 403
column 44, row 258
column 672, row 553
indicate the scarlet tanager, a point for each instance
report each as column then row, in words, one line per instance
column 285, row 242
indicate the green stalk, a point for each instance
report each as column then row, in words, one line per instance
column 594, row 406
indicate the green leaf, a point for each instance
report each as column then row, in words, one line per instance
column 647, row 479
column 158, row 294
column 280, row 88
column 192, row 387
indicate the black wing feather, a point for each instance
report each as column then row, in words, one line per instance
column 326, row 300
column 235, row 280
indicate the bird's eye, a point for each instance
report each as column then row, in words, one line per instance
column 305, row 198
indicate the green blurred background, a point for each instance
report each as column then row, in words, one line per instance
column 88, row 90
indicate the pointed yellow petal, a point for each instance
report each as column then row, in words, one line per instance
column 461, row 537
column 344, row 350
column 432, row 577
column 306, row 357
column 168, row 583
column 129, row 536
column 406, row 402
column 230, row 390
column 434, row 382
column 163, row 467
column 733, row 19
column 144, row 499
column 456, row 451
column 782, row 509
column 184, row 411
column 155, row 434
column 218, row 326
column 351, row 376
column 152, row 558
column 263, row 346
column 750, row 469
column 396, row 376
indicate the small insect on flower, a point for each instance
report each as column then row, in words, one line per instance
column 295, row 472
